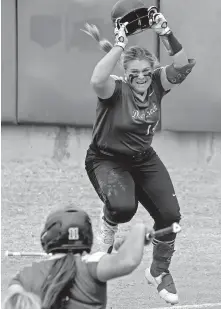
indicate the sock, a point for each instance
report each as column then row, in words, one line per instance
column 162, row 255
column 171, row 243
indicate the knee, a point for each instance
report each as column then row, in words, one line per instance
column 120, row 212
column 171, row 213
column 172, row 217
column 167, row 219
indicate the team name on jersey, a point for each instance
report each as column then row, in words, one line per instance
column 143, row 115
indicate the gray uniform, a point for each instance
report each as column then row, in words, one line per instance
column 87, row 291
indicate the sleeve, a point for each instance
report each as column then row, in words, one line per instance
column 92, row 262
column 178, row 75
column 157, row 84
column 20, row 277
column 16, row 280
column 25, row 278
column 117, row 91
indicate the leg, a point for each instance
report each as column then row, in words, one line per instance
column 116, row 188
column 155, row 192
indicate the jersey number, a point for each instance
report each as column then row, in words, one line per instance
column 151, row 128
column 73, row 233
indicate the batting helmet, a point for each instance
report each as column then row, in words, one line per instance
column 134, row 13
column 67, row 229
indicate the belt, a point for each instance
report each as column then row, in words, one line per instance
column 136, row 157
column 140, row 155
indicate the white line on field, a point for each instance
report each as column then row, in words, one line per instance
column 191, row 306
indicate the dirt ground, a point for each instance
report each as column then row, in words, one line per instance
column 31, row 189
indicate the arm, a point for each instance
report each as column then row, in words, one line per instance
column 102, row 82
column 174, row 74
column 127, row 258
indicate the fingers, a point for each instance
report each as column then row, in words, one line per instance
column 149, row 236
column 159, row 23
column 121, row 29
column 158, row 18
column 120, row 35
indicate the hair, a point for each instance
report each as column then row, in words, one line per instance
column 54, row 290
column 21, row 300
column 56, row 287
column 132, row 53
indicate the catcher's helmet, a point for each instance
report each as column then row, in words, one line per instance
column 67, row 229
column 135, row 13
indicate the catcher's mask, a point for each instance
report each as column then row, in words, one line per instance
column 68, row 229
column 134, row 13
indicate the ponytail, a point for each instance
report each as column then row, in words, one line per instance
column 94, row 32
column 20, row 299
column 57, row 286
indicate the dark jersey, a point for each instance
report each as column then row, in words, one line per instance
column 123, row 123
column 87, row 292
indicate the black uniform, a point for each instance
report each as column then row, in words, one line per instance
column 120, row 162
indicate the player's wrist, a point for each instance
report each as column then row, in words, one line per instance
column 121, row 45
column 171, row 43
column 165, row 32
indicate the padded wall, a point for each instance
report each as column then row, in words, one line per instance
column 196, row 104
column 56, row 59
column 8, row 61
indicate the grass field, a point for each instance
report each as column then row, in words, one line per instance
column 31, row 189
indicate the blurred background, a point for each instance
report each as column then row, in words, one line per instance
column 47, row 62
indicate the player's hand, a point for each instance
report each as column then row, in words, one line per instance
column 149, row 236
column 120, row 36
column 159, row 24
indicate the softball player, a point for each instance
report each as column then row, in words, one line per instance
column 72, row 277
column 120, row 162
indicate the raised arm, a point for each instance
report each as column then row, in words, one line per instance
column 127, row 258
column 102, row 82
column 175, row 73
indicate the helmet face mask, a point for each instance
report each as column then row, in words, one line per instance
column 137, row 19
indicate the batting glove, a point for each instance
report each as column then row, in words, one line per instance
column 159, row 24
column 120, row 36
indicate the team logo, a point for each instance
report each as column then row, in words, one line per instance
column 73, row 233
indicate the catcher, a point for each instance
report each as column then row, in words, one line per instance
column 73, row 277
column 120, row 162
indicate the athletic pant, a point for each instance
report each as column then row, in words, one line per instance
column 121, row 182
